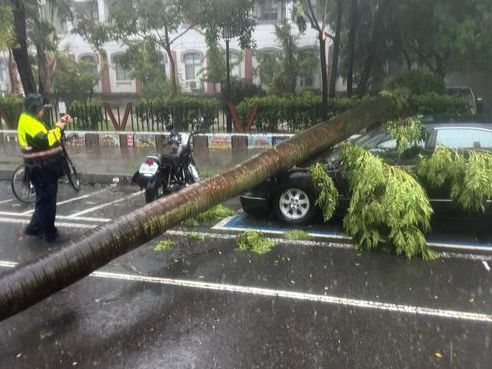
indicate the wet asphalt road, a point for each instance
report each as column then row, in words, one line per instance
column 205, row 304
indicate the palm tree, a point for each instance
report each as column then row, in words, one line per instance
column 42, row 33
column 19, row 48
column 36, row 280
column 33, row 22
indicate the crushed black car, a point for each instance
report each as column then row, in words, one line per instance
column 291, row 196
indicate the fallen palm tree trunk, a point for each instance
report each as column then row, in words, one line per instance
column 36, row 280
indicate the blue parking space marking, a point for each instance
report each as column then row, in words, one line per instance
column 240, row 223
column 243, row 223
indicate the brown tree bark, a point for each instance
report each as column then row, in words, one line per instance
column 351, row 48
column 336, row 51
column 376, row 39
column 14, row 81
column 20, row 53
column 36, row 280
column 324, row 72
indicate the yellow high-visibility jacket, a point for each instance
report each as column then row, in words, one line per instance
column 35, row 140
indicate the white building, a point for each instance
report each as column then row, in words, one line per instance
column 189, row 52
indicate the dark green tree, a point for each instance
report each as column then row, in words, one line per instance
column 73, row 80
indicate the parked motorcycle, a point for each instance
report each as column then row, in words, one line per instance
column 162, row 174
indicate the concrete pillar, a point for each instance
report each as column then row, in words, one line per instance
column 105, row 81
column 239, row 143
column 91, row 139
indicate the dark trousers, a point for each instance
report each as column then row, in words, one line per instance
column 45, row 182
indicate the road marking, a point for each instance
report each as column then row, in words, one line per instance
column 58, row 224
column 101, row 206
column 76, row 198
column 6, row 201
column 299, row 296
column 367, row 304
column 224, row 226
column 88, row 219
column 334, row 245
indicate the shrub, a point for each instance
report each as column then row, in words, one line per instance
column 10, row 108
column 291, row 113
column 417, row 83
column 241, row 90
column 181, row 111
column 433, row 103
column 87, row 114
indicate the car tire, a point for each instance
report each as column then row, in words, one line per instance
column 295, row 205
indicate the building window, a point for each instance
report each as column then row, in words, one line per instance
column 87, row 10
column 89, row 64
column 235, row 60
column 122, row 73
column 308, row 68
column 271, row 11
column 193, row 65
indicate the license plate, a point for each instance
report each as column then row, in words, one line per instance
column 148, row 169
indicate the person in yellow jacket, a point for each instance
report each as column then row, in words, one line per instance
column 43, row 159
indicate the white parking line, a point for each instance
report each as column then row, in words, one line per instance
column 101, row 206
column 58, row 224
column 76, row 198
column 298, row 296
column 221, row 226
column 6, row 201
column 333, row 245
column 27, row 216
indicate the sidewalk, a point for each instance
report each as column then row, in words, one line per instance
column 107, row 165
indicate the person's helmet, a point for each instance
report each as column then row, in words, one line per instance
column 33, row 103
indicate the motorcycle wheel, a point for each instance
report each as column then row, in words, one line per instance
column 150, row 192
column 153, row 191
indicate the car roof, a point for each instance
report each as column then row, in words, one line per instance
column 438, row 125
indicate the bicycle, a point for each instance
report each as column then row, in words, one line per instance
column 22, row 187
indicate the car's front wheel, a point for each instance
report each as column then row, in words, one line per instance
column 295, row 205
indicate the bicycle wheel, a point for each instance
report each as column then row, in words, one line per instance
column 21, row 187
column 72, row 175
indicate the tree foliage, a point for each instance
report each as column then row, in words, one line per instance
column 328, row 193
column 73, row 80
column 316, row 14
column 387, row 204
column 407, row 132
column 223, row 19
column 6, row 25
column 468, row 176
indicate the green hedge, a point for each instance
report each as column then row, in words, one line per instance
column 87, row 114
column 297, row 112
column 10, row 108
column 291, row 113
column 182, row 111
column 432, row 103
